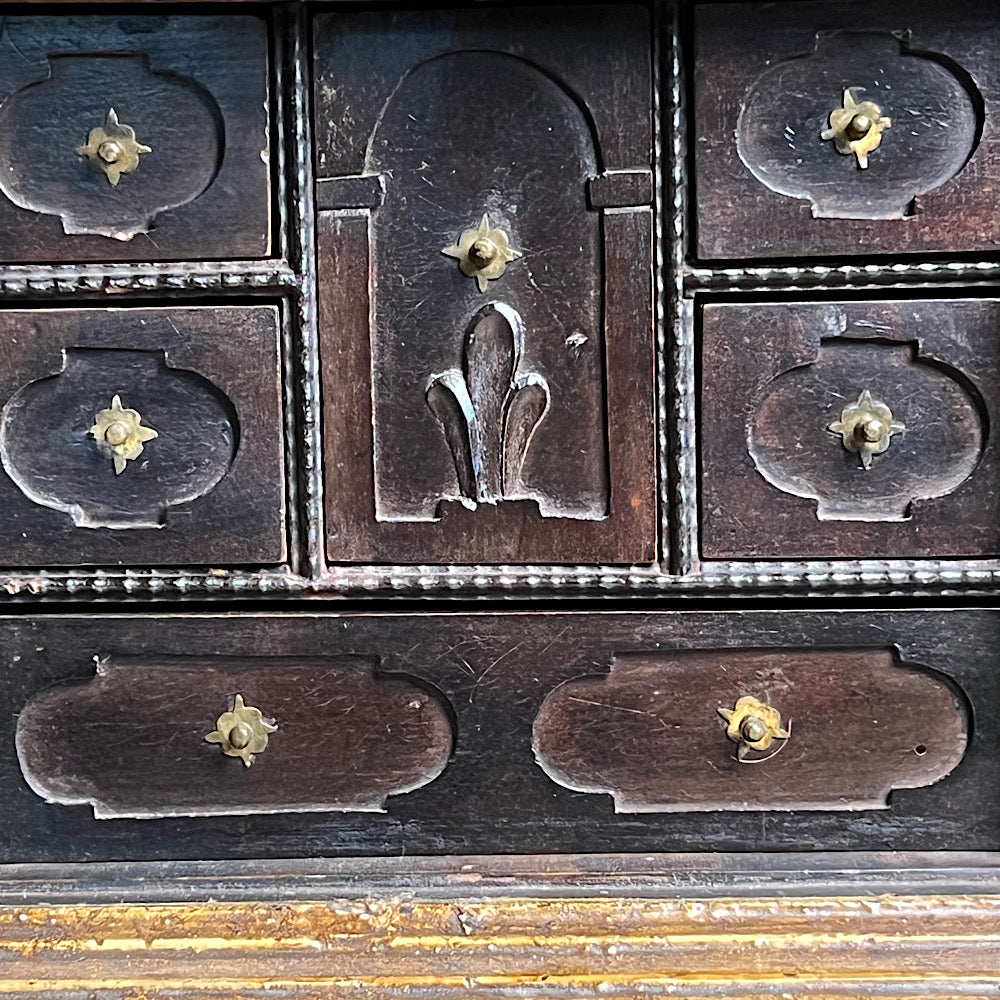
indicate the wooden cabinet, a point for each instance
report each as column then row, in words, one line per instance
column 467, row 400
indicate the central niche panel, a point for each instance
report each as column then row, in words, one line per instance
column 528, row 174
column 485, row 270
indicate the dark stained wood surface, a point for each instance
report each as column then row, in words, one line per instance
column 196, row 90
column 776, row 483
column 738, row 46
column 579, row 479
column 209, row 489
column 494, row 672
column 346, row 738
column 859, row 725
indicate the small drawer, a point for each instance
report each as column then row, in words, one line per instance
column 141, row 437
column 485, row 280
column 850, row 430
column 134, row 137
column 844, row 128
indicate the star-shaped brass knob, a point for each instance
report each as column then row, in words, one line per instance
column 857, row 128
column 866, row 427
column 483, row 253
column 113, row 148
column 243, row 732
column 119, row 435
column 753, row 725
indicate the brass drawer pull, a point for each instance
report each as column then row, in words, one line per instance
column 243, row 732
column 119, row 434
column 857, row 128
column 754, row 726
column 483, row 253
column 866, row 427
column 113, row 148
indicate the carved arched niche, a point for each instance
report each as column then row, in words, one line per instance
column 515, row 145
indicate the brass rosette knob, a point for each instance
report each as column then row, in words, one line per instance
column 753, row 725
column 866, row 427
column 120, row 435
column 856, row 128
column 113, row 148
column 483, row 253
column 243, row 732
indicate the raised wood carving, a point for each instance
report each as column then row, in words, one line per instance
column 48, row 450
column 208, row 489
column 791, row 442
column 778, row 483
column 489, row 410
column 62, row 110
column 766, row 78
column 195, row 90
column 650, row 734
column 132, row 741
column 414, row 162
column 935, row 126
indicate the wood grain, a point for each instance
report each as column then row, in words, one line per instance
column 395, row 314
column 210, row 489
column 650, row 733
column 212, row 163
column 496, row 671
column 740, row 217
column 346, row 738
column 775, row 375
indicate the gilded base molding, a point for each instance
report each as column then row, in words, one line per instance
column 486, row 928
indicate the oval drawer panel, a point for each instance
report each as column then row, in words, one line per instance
column 752, row 729
column 186, row 737
column 830, row 129
column 134, row 137
column 141, row 436
column 850, row 429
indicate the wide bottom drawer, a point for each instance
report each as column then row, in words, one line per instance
column 247, row 735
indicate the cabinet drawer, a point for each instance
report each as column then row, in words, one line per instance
column 497, row 733
column 141, row 436
column 485, row 279
column 789, row 392
column 134, row 137
column 771, row 79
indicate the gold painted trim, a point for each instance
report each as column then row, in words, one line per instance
column 530, row 948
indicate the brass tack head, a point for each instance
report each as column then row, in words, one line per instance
column 866, row 427
column 242, row 732
column 753, row 725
